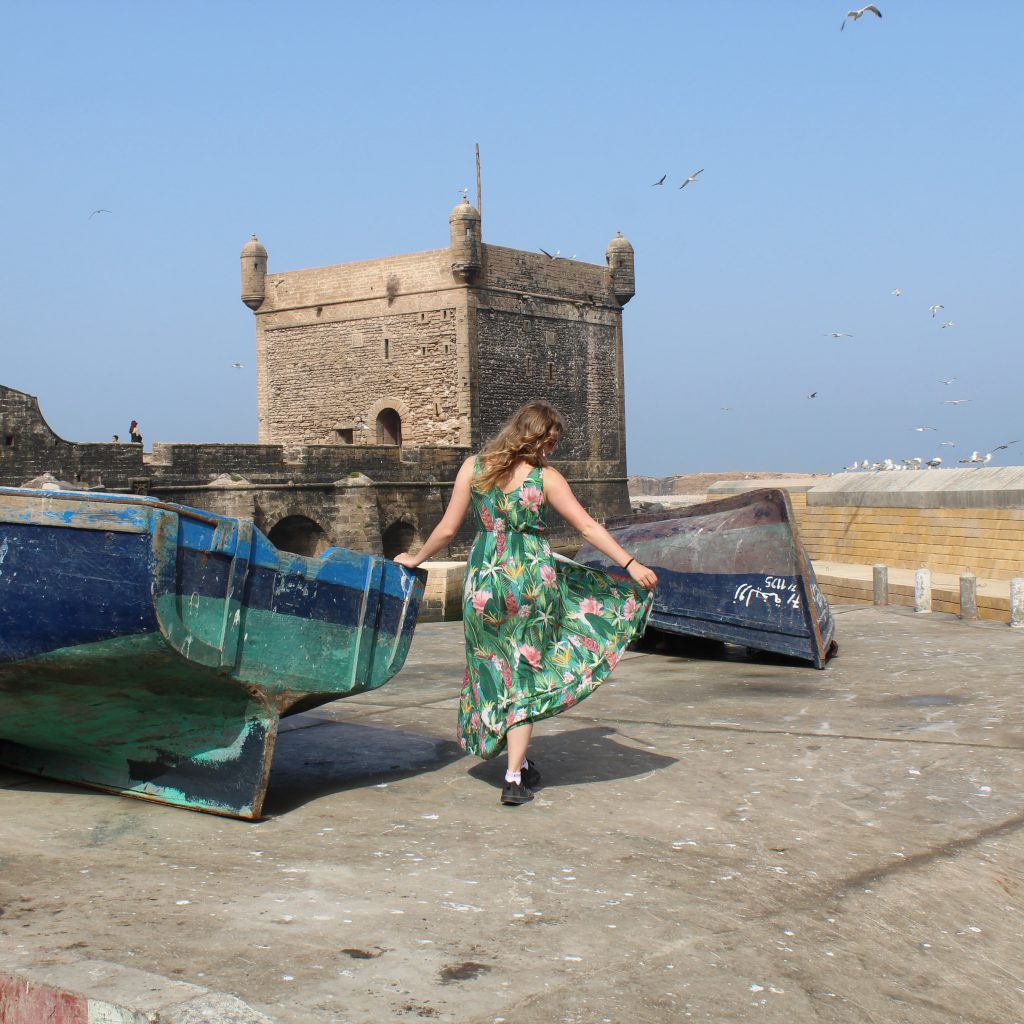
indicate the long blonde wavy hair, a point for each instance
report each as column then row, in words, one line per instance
column 524, row 438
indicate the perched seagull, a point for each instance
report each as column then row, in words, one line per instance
column 921, row 430
column 949, row 323
column 934, row 463
column 934, row 309
column 94, row 212
column 952, row 380
column 692, row 177
column 857, row 15
column 914, row 463
column 895, row 291
column 977, row 457
column 660, row 181
column 813, row 394
column 956, row 401
column 238, row 366
column 838, row 334
column 947, row 444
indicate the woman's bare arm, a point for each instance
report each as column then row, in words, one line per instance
column 450, row 522
column 559, row 496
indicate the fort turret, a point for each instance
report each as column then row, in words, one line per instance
column 465, row 247
column 619, row 256
column 254, row 273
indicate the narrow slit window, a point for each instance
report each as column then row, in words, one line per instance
column 387, row 349
column 437, row 408
column 551, row 371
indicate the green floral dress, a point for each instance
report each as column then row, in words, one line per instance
column 542, row 632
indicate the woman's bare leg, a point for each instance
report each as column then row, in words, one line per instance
column 518, row 740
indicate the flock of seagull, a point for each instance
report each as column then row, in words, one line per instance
column 976, row 458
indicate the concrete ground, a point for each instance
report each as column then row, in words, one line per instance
column 718, row 839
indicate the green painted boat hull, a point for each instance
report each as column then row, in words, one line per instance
column 151, row 650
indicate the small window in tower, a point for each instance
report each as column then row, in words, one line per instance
column 529, row 365
column 437, row 408
column 444, row 314
column 387, row 348
column 469, row 233
column 423, row 350
column 345, row 434
column 551, row 371
column 552, row 336
column 423, row 316
column 446, row 348
column 9, row 440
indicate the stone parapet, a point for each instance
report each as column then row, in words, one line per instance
column 937, row 488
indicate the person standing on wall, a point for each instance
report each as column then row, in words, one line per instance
column 541, row 634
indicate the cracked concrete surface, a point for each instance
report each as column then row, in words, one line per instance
column 718, row 839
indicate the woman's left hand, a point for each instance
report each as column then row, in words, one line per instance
column 405, row 559
column 642, row 575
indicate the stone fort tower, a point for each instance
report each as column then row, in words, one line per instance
column 436, row 349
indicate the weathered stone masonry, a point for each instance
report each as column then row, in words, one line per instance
column 375, row 380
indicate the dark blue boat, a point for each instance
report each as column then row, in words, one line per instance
column 731, row 570
column 151, row 649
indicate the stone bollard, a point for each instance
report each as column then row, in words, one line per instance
column 923, row 590
column 968, row 595
column 881, row 584
column 1017, row 601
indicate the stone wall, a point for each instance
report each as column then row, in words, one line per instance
column 336, row 345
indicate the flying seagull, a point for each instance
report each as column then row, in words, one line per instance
column 956, row 401
column 94, row 212
column 465, row 193
column 813, row 394
column 951, row 380
column 857, row 15
column 558, row 252
column 692, row 177
column 934, row 309
column 949, row 323
column 895, row 291
column 947, row 444
column 1000, row 447
column 838, row 334
column 660, row 181
column 238, row 366
column 921, row 430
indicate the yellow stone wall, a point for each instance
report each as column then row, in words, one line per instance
column 988, row 542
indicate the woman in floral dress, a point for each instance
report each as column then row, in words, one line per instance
column 542, row 633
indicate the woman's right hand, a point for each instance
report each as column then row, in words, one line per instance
column 405, row 559
column 642, row 575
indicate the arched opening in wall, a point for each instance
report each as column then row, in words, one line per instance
column 300, row 536
column 397, row 538
column 389, row 427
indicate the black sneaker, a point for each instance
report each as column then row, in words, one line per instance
column 515, row 793
column 530, row 775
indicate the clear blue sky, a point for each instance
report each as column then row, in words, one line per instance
column 838, row 166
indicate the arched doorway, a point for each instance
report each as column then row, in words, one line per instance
column 398, row 537
column 300, row 536
column 389, row 427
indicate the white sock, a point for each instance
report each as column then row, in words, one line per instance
column 515, row 777
column 525, row 764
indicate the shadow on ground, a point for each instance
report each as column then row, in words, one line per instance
column 579, row 757
column 315, row 758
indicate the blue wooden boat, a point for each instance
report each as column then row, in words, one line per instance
column 731, row 570
column 151, row 649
